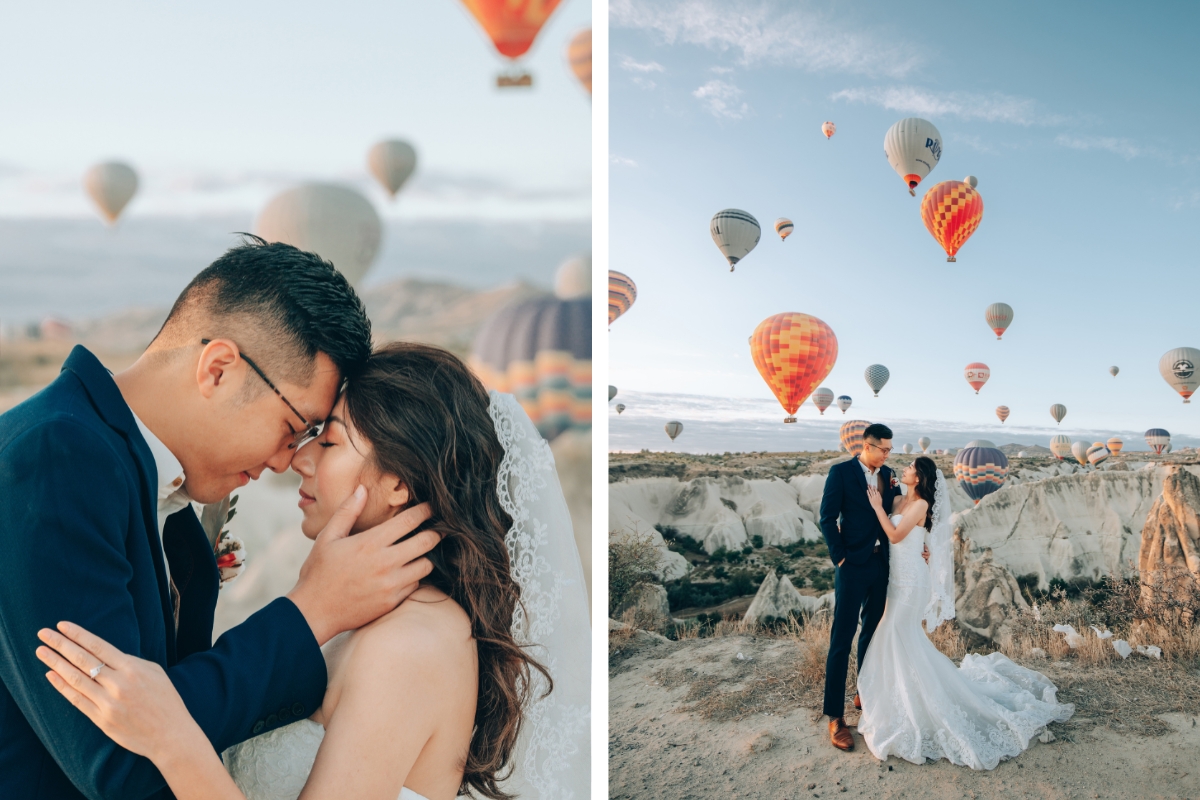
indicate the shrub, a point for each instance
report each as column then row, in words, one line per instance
column 741, row 583
column 757, row 541
column 747, row 550
column 632, row 559
column 719, row 572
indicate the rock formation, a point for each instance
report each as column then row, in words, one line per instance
column 648, row 602
column 986, row 595
column 777, row 597
column 1169, row 557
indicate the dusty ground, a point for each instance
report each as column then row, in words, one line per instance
column 676, row 731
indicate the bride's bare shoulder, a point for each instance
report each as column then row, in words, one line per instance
column 429, row 622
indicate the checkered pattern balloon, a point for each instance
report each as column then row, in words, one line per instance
column 952, row 211
column 793, row 353
column 622, row 292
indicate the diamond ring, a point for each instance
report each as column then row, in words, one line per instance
column 94, row 671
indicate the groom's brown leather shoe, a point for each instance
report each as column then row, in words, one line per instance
column 857, row 701
column 840, row 735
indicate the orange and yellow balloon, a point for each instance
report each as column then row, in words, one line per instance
column 512, row 25
column 851, row 435
column 952, row 211
column 622, row 292
column 579, row 54
column 794, row 353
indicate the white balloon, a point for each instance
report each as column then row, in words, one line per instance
column 392, row 162
column 913, row 147
column 923, row 443
column 111, row 186
column 735, row 232
column 574, row 278
column 1181, row 369
column 673, row 429
column 971, row 180
column 336, row 223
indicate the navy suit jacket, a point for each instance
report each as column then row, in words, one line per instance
column 79, row 541
column 850, row 525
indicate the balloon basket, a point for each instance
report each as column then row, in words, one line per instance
column 952, row 259
column 514, row 80
column 789, row 419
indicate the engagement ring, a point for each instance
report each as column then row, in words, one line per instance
column 96, row 670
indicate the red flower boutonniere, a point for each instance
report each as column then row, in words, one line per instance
column 229, row 550
column 895, row 482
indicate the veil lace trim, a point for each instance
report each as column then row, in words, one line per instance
column 941, row 559
column 552, row 753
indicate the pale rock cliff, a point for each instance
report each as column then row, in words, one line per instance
column 777, row 597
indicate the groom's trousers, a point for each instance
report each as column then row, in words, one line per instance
column 859, row 594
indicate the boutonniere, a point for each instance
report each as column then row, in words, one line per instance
column 895, row 482
column 229, row 550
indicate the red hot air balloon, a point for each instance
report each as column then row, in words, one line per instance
column 794, row 353
column 952, row 211
column 512, row 25
column 977, row 375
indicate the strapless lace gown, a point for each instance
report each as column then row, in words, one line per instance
column 917, row 705
column 275, row 766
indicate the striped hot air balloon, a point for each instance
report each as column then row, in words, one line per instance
column 673, row 429
column 923, row 443
column 620, row 407
column 579, row 56
column 1097, row 454
column 822, row 398
column 977, row 374
column 1158, row 439
column 952, row 211
column 1002, row 413
column 1058, row 411
column 843, row 402
column 784, row 226
column 980, row 470
column 829, row 129
column 999, row 316
column 1115, row 444
column 851, row 434
column 877, row 375
column 735, row 233
column 1060, row 445
column 794, row 353
column 1181, row 369
column 622, row 293
column 1079, row 451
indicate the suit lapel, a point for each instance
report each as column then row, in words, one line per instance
column 194, row 570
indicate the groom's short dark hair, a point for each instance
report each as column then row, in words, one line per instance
column 877, row 431
column 281, row 304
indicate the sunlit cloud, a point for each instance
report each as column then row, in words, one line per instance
column 621, row 161
column 721, row 100
column 630, row 65
column 990, row 107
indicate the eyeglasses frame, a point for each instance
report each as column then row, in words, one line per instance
column 309, row 431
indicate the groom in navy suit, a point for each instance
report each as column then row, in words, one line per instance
column 98, row 473
column 859, row 549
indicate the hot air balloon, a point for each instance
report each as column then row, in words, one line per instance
column 1002, row 413
column 877, row 375
column 111, row 186
column 1060, row 446
column 1158, row 439
column 793, row 353
column 620, row 407
column 1181, row 369
column 612, row 392
column 981, row 443
column 829, row 129
column 977, row 374
column 923, row 443
column 1021, row 454
column 1058, row 411
column 336, row 223
column 673, row 429
column 980, row 470
column 971, row 181
column 1115, row 445
column 622, row 292
column 1113, row 371
column 391, row 162
column 822, row 398
column 512, row 27
column 540, row 351
column 913, row 147
column 999, row 316
column 851, row 434
column 579, row 56
column 952, row 211
column 843, row 402
column 1079, row 450
column 784, row 226
column 908, row 448
column 1097, row 454
column 736, row 233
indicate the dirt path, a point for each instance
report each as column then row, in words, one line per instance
column 657, row 751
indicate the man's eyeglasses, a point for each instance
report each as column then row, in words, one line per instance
column 884, row 450
column 301, row 436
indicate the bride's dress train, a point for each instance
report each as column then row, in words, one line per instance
column 917, row 705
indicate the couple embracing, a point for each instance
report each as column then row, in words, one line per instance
column 894, row 558
column 436, row 641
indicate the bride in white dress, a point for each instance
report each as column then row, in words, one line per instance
column 478, row 681
column 915, row 703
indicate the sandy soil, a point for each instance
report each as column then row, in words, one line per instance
column 659, row 749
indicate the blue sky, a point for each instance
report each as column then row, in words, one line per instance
column 221, row 104
column 1079, row 119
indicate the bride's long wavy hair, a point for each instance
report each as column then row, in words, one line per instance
column 426, row 417
column 926, row 485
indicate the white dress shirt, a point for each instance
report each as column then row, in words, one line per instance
column 172, row 496
column 872, row 477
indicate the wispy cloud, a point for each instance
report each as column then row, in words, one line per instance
column 621, row 161
column 721, row 99
column 629, row 64
column 721, row 70
column 1125, row 148
column 643, row 82
column 768, row 31
column 991, row 107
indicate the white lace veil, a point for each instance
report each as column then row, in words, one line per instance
column 553, row 756
column 941, row 559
